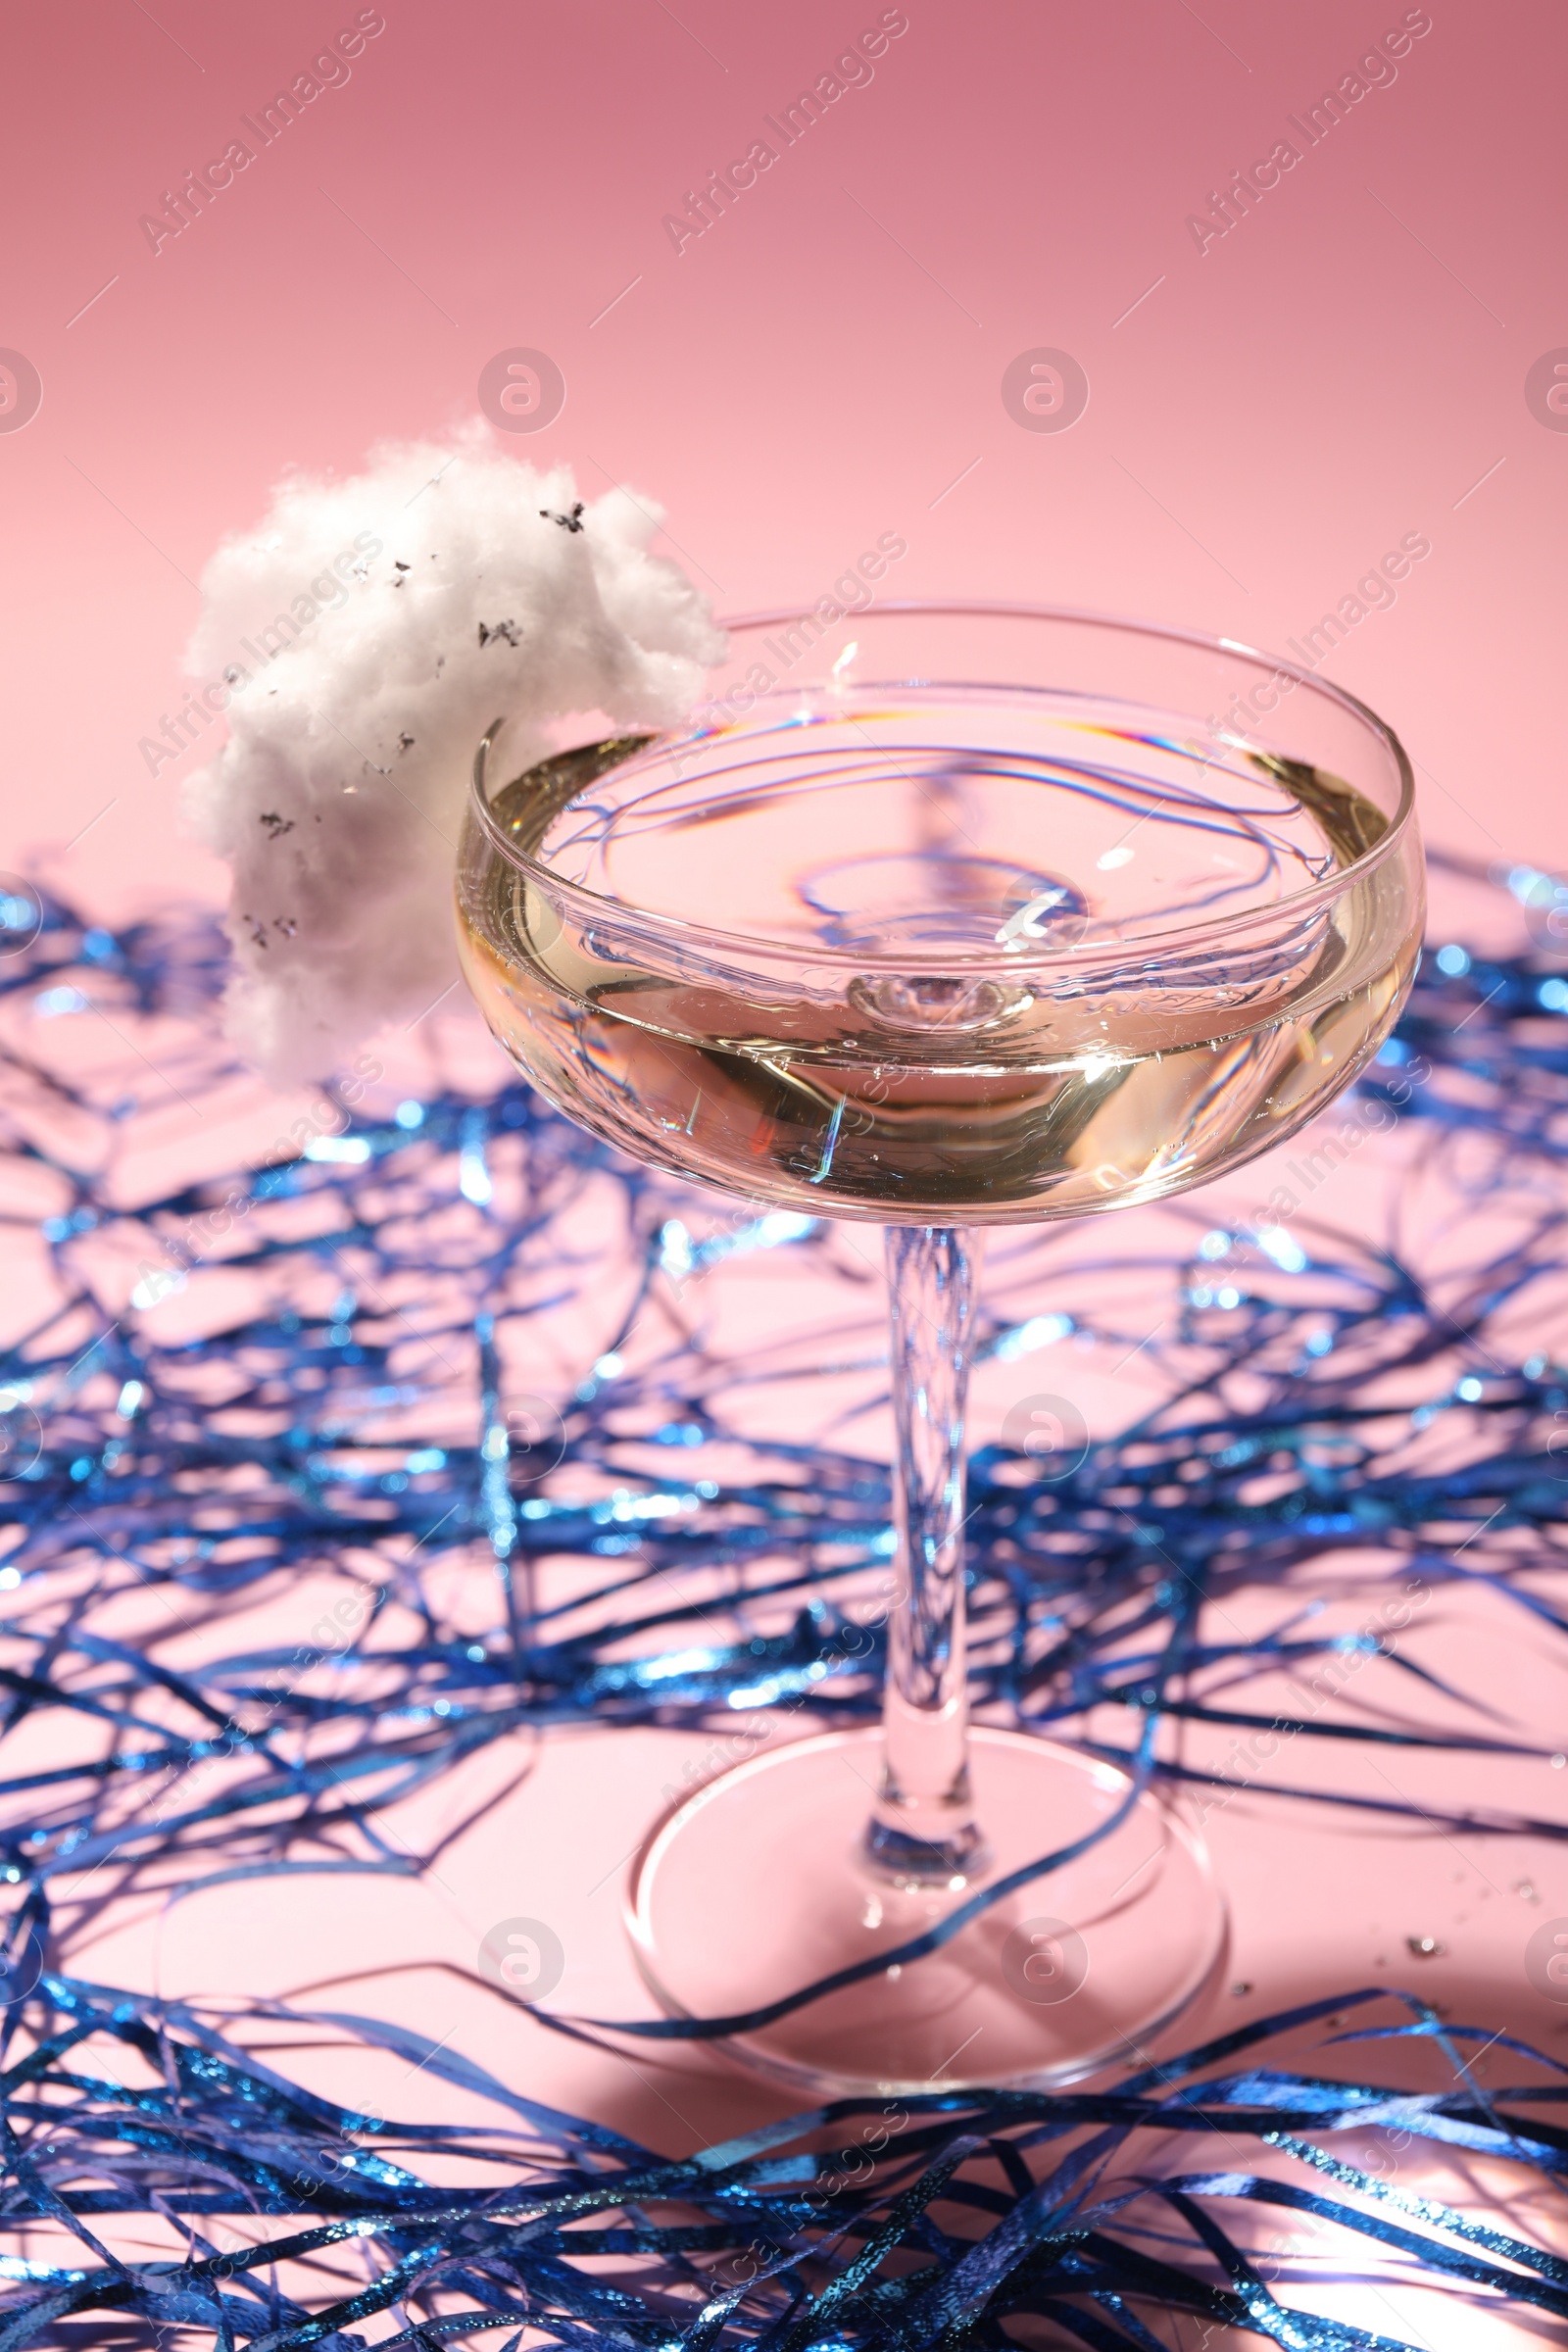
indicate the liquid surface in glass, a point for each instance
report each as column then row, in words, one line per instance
column 922, row 846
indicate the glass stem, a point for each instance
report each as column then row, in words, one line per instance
column 922, row 1826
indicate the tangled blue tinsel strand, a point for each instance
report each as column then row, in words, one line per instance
column 351, row 1410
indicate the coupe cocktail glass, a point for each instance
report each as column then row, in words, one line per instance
column 943, row 917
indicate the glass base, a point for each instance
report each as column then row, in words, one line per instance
column 758, row 1885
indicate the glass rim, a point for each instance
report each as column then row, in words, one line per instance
column 1183, row 938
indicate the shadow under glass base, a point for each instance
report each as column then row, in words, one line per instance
column 758, row 1885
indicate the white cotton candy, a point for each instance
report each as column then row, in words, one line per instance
column 361, row 690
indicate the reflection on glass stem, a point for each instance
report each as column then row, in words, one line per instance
column 922, row 1827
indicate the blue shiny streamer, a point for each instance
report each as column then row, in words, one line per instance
column 1081, row 2208
column 1079, row 1579
column 213, row 1469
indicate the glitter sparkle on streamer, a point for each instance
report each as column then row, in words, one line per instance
column 350, row 1419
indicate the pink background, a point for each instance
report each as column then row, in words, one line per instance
column 821, row 364
column 1340, row 370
